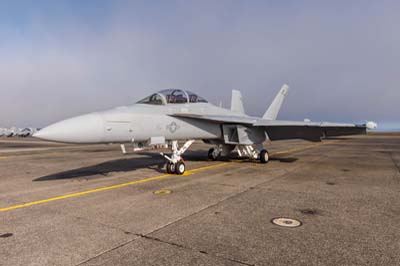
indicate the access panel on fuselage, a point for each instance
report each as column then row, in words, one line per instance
column 118, row 131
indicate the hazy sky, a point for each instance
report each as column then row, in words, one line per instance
column 63, row 58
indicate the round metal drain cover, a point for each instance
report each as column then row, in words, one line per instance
column 286, row 222
column 163, row 192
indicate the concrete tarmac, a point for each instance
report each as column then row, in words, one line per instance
column 90, row 205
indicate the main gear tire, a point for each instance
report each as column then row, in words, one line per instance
column 264, row 156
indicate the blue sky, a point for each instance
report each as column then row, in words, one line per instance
column 64, row 58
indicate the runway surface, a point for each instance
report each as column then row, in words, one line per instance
column 90, row 205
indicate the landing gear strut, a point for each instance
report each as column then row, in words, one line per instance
column 175, row 164
column 214, row 154
column 252, row 153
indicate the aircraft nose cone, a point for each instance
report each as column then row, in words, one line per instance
column 81, row 129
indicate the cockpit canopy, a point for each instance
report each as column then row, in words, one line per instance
column 172, row 96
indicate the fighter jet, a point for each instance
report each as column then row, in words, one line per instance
column 173, row 115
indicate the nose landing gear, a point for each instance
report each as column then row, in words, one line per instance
column 175, row 163
column 178, row 168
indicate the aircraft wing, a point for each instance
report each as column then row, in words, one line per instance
column 313, row 131
column 281, row 130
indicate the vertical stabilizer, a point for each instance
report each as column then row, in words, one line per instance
column 236, row 102
column 274, row 108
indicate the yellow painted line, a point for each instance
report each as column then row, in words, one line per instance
column 162, row 192
column 3, row 157
column 84, row 193
column 77, row 194
column 302, row 148
column 210, row 166
column 141, row 181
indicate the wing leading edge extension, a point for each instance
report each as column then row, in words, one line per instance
column 221, row 119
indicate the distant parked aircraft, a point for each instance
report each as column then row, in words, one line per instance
column 24, row 132
column 18, row 132
column 9, row 132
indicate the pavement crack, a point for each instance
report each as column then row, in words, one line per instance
column 193, row 250
column 221, row 184
column 160, row 240
column 106, row 251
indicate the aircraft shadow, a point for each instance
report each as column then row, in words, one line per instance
column 284, row 160
column 152, row 161
column 336, row 138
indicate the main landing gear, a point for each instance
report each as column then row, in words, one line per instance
column 244, row 151
column 214, row 154
column 175, row 163
column 256, row 153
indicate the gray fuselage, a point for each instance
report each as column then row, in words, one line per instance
column 138, row 123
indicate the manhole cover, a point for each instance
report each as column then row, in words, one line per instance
column 286, row 222
column 162, row 192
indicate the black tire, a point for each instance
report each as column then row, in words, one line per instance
column 211, row 155
column 167, row 168
column 171, row 168
column 264, row 156
column 180, row 168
